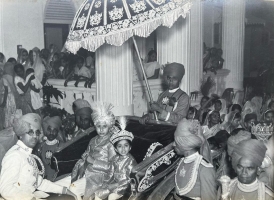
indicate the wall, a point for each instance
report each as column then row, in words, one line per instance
column 22, row 23
column 212, row 13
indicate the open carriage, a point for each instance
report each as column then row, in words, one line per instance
column 151, row 147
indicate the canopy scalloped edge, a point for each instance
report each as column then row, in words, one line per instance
column 91, row 43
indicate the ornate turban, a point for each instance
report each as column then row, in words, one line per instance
column 22, row 125
column 235, row 139
column 82, row 107
column 102, row 113
column 252, row 149
column 178, row 68
column 54, row 122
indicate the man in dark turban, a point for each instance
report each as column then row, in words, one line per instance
column 172, row 105
column 195, row 175
column 247, row 157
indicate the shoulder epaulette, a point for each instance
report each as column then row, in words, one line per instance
column 206, row 163
column 269, row 191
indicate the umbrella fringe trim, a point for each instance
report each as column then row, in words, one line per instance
column 118, row 38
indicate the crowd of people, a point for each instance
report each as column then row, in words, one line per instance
column 22, row 79
column 220, row 137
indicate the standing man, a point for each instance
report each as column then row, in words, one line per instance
column 172, row 105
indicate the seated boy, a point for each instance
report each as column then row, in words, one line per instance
column 81, row 73
column 172, row 105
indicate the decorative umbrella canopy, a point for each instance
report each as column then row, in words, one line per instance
column 115, row 21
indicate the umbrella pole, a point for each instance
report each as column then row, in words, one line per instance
column 144, row 73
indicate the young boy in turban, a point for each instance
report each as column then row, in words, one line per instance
column 194, row 176
column 172, row 105
column 90, row 172
column 247, row 157
column 20, row 176
column 45, row 150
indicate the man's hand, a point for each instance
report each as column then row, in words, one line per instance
column 144, row 119
column 154, row 106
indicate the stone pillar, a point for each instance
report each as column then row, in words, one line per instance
column 196, row 46
column 233, row 41
column 114, row 77
column 1, row 28
column 182, row 43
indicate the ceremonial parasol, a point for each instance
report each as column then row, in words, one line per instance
column 115, row 21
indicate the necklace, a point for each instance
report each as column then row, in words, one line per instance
column 53, row 142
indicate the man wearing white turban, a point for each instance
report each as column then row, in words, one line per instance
column 247, row 157
column 194, row 176
column 20, row 176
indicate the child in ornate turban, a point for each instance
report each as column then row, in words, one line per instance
column 172, row 105
column 195, row 175
column 90, row 172
column 247, row 157
column 121, row 165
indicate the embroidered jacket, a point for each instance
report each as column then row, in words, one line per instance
column 19, row 176
column 101, row 152
column 175, row 103
column 254, row 191
column 195, row 178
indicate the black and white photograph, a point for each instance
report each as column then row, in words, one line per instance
column 137, row 99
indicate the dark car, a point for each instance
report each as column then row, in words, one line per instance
column 151, row 147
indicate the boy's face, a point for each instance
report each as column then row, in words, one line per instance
column 269, row 117
column 190, row 114
column 24, row 56
column 214, row 118
column 51, row 132
column 217, row 106
column 102, row 128
column 20, row 72
column 79, row 63
column 123, row 147
column 153, row 57
column 172, row 80
column 249, row 124
column 236, row 122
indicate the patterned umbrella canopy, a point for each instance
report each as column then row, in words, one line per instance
column 115, row 21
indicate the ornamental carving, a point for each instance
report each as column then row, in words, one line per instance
column 165, row 159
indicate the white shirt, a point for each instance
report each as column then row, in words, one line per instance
column 18, row 79
column 19, row 179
